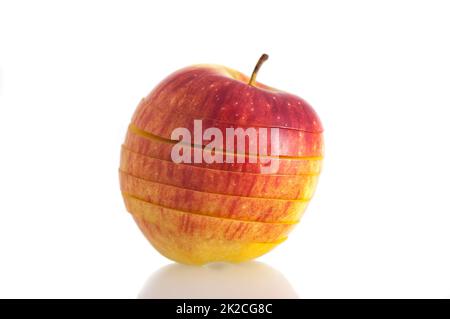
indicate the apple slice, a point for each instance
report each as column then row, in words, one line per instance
column 217, row 205
column 215, row 181
column 292, row 143
column 205, row 227
column 219, row 93
column 195, row 250
column 157, row 147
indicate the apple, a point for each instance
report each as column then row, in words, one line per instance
column 237, row 206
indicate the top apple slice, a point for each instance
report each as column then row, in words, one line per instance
column 223, row 96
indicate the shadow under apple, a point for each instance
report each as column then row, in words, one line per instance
column 218, row 280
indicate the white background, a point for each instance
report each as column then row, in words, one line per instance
column 377, row 73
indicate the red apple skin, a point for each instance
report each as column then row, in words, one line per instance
column 152, row 146
column 293, row 143
column 216, row 205
column 215, row 181
column 208, row 93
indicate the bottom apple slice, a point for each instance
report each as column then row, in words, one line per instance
column 196, row 250
column 206, row 227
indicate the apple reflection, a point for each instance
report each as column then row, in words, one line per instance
column 218, row 280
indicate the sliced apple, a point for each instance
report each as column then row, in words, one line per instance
column 215, row 181
column 217, row 205
column 199, row 213
column 205, row 227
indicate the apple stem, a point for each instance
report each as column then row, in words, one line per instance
column 261, row 60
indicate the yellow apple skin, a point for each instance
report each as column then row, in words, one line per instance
column 156, row 190
column 196, row 250
column 216, row 205
column 197, row 239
